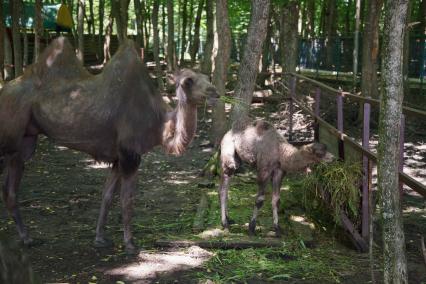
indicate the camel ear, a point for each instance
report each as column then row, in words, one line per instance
column 171, row 78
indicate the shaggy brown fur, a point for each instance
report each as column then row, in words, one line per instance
column 115, row 117
column 259, row 144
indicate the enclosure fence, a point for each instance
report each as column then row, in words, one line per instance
column 347, row 147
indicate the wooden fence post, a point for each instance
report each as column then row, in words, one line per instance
column 366, row 173
column 317, row 113
column 340, row 124
column 401, row 151
column 292, row 95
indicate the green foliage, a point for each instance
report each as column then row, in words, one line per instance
column 333, row 186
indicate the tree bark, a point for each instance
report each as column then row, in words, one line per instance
column 80, row 30
column 330, row 29
column 91, row 21
column 356, row 43
column 16, row 36
column 395, row 263
column 171, row 63
column 120, row 8
column 206, row 66
column 249, row 66
column 139, row 23
column 422, row 18
column 195, row 44
column 156, row 34
column 2, row 42
column 289, row 37
column 38, row 29
column 220, row 73
column 107, row 41
column 101, row 12
column 8, row 59
column 370, row 50
column 190, row 21
column 310, row 27
column 406, row 56
column 184, row 26
column 25, row 52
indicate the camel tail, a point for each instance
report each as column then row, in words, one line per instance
column 1, row 164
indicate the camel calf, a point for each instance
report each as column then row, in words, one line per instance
column 258, row 143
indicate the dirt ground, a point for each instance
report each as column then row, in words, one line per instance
column 60, row 198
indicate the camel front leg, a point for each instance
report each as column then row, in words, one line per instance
column 277, row 177
column 223, row 198
column 111, row 186
column 128, row 186
column 14, row 171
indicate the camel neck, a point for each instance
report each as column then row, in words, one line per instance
column 182, row 129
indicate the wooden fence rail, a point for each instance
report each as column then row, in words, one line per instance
column 368, row 157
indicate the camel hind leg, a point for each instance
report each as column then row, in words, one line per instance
column 111, row 186
column 262, row 181
column 277, row 177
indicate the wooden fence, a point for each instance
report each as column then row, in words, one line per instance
column 322, row 129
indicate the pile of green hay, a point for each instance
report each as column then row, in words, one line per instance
column 332, row 188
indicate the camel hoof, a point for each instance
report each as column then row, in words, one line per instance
column 131, row 249
column 28, row 242
column 252, row 228
column 230, row 221
column 278, row 232
column 102, row 243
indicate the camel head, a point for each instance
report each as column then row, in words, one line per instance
column 194, row 88
column 316, row 153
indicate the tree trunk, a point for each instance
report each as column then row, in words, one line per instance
column 249, row 66
column 107, row 41
column 406, row 56
column 395, row 263
column 91, row 22
column 330, row 29
column 156, row 35
column 163, row 26
column 370, row 50
column 8, row 59
column 310, row 27
column 16, row 36
column 184, row 26
column 119, row 8
column 422, row 18
column 348, row 17
column 190, row 18
column 206, row 66
column 171, row 65
column 195, row 44
column 2, row 42
column 101, row 12
column 220, row 74
column 146, row 19
column 25, row 52
column 356, row 43
column 139, row 23
column 38, row 29
column 80, row 30
column 289, row 37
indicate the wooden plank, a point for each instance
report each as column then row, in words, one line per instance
column 213, row 244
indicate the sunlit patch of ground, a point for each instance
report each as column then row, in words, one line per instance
column 150, row 265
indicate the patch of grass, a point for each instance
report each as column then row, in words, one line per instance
column 335, row 187
column 291, row 262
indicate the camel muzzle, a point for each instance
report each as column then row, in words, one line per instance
column 212, row 96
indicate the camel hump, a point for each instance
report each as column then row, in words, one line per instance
column 57, row 61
